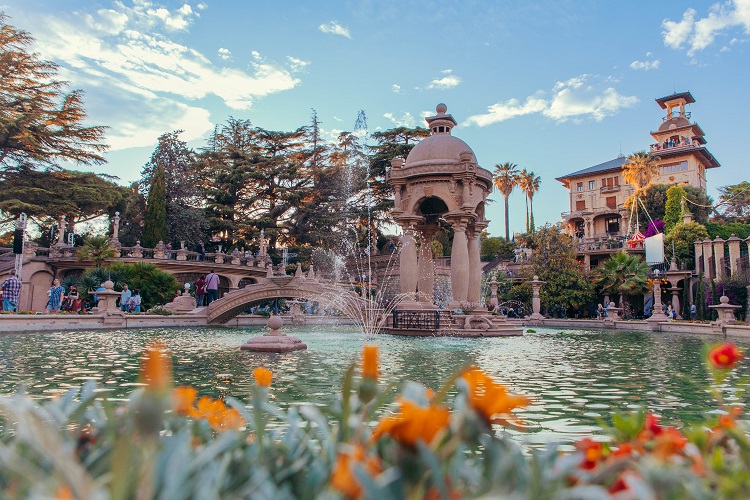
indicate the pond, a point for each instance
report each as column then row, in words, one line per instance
column 575, row 378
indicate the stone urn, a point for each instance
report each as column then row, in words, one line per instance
column 274, row 340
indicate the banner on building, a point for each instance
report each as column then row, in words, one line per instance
column 654, row 249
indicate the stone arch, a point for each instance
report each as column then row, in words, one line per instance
column 237, row 301
column 435, row 190
column 431, row 208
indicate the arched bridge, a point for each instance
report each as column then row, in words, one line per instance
column 300, row 287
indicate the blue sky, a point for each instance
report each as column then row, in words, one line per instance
column 554, row 86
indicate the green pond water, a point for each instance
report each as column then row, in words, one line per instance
column 573, row 377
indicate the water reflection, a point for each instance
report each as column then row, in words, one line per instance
column 573, row 377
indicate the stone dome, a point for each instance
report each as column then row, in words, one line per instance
column 672, row 123
column 438, row 149
column 441, row 148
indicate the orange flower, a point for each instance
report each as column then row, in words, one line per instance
column 342, row 476
column 413, row 423
column 370, row 362
column 593, row 453
column 491, row 399
column 183, row 399
column 669, row 442
column 724, row 356
column 64, row 493
column 262, row 377
column 156, row 368
column 729, row 421
column 216, row 413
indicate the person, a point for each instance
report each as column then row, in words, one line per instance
column 200, row 291
column 74, row 299
column 693, row 311
column 600, row 312
column 134, row 304
column 168, row 249
column 96, row 299
column 212, row 287
column 177, row 295
column 125, row 297
column 55, row 294
column 11, row 291
column 201, row 250
column 669, row 311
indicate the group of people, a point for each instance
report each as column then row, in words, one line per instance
column 130, row 301
column 206, row 289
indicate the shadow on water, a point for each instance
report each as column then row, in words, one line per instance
column 574, row 378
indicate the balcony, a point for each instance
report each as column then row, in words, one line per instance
column 673, row 146
column 609, row 189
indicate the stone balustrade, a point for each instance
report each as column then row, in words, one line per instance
column 719, row 258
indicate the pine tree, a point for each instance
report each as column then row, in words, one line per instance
column 155, row 222
column 39, row 122
column 673, row 207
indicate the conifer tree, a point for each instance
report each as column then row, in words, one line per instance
column 155, row 222
column 673, row 207
column 40, row 122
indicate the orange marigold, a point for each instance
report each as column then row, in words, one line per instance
column 413, row 423
column 183, row 399
column 156, row 368
column 724, row 356
column 262, row 377
column 370, row 362
column 593, row 453
column 342, row 476
column 216, row 413
column 491, row 399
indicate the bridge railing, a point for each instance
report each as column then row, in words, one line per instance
column 416, row 320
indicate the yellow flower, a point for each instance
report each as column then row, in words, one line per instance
column 342, row 476
column 262, row 377
column 491, row 399
column 413, row 423
column 156, row 368
column 183, row 399
column 370, row 362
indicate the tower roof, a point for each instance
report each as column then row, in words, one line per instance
column 662, row 101
column 441, row 148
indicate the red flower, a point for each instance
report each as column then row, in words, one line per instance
column 724, row 356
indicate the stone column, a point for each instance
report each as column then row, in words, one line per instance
column 698, row 255
column 474, row 293
column 426, row 279
column 719, row 257
column 408, row 262
column 116, row 226
column 675, row 299
column 734, row 253
column 459, row 263
column 536, row 301
column 708, row 272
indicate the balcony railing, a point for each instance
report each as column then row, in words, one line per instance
column 609, row 189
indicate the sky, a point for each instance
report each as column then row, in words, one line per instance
column 553, row 86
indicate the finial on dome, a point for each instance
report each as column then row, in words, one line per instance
column 441, row 108
column 441, row 123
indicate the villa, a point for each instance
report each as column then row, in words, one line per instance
column 598, row 216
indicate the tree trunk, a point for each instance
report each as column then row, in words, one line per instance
column 507, row 223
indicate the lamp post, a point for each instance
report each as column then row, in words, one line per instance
column 21, row 231
column 657, row 314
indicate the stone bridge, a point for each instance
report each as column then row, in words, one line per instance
column 298, row 286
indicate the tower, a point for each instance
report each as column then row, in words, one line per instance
column 681, row 145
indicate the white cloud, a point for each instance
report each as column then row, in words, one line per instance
column 334, row 28
column 511, row 108
column 645, row 65
column 396, row 89
column 201, row 6
column 447, row 82
column 128, row 52
column 297, row 64
column 576, row 98
column 699, row 34
column 407, row 120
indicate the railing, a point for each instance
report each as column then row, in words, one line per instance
column 416, row 320
column 686, row 114
column 609, row 189
column 676, row 145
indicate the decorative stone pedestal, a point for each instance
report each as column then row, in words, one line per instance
column 726, row 311
column 107, row 305
column 273, row 341
column 536, row 302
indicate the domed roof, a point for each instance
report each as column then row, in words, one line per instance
column 438, row 149
column 672, row 123
column 441, row 147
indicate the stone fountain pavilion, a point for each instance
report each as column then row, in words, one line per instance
column 442, row 181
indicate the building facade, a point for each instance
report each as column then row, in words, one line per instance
column 598, row 215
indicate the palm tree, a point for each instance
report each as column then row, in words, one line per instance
column 529, row 184
column 640, row 170
column 505, row 180
column 97, row 249
column 625, row 274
